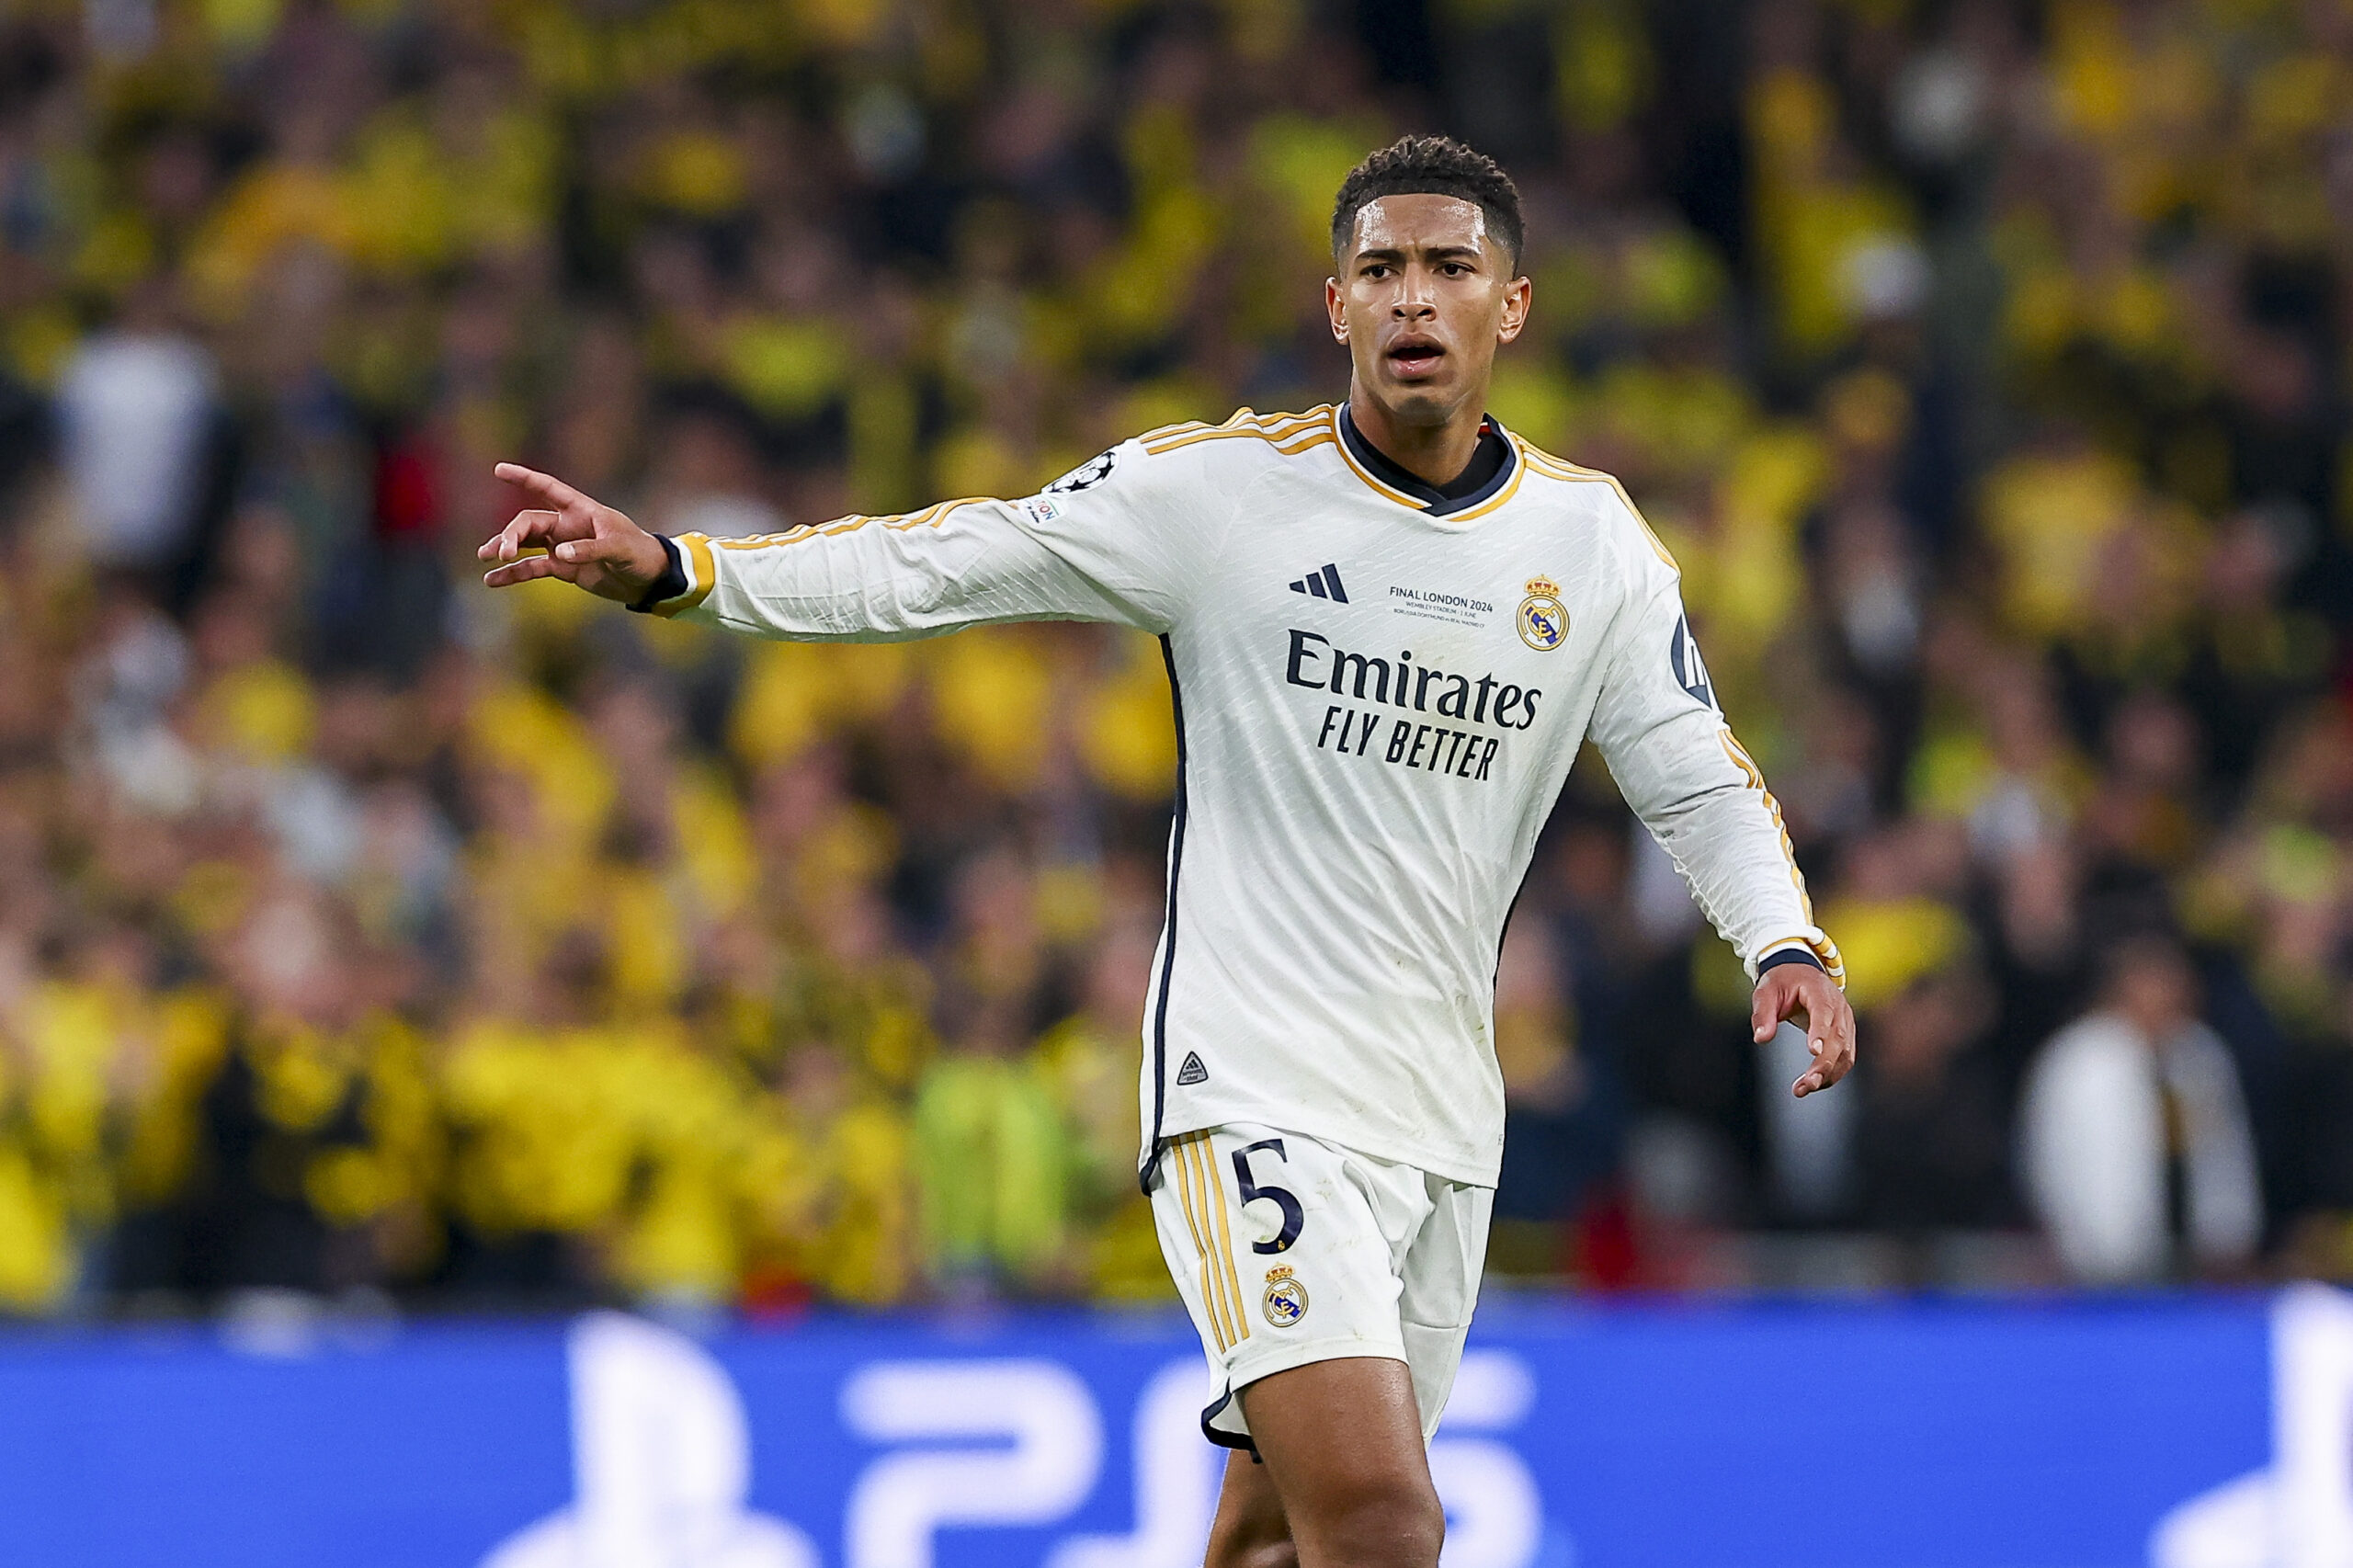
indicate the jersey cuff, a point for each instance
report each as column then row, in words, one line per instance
column 692, row 574
column 1789, row 955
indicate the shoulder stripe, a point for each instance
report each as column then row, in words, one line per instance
column 1177, row 429
column 1568, row 472
column 1244, row 422
column 1276, row 428
column 1546, row 460
column 1245, row 415
column 933, row 515
column 1290, row 445
column 1320, row 414
column 1237, row 419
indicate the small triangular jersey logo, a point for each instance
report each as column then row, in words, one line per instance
column 1324, row 584
column 1192, row 1071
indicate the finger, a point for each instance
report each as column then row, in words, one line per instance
column 529, row 569
column 580, row 552
column 524, row 530
column 1842, row 1048
column 546, row 486
column 1817, row 1076
column 1834, row 1056
column 1764, row 1010
column 1840, row 1032
column 527, row 530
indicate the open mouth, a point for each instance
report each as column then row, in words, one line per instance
column 1411, row 358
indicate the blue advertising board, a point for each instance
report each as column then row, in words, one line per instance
column 2182, row 1433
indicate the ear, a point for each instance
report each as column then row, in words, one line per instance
column 1519, row 294
column 1336, row 305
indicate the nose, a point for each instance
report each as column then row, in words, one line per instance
column 1416, row 301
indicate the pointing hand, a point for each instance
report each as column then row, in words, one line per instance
column 586, row 542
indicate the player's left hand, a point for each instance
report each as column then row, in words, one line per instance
column 1802, row 991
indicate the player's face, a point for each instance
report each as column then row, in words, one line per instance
column 1423, row 299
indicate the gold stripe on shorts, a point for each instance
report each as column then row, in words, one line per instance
column 1200, row 1153
column 1215, row 1184
column 1210, row 1301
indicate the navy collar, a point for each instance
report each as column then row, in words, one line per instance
column 1490, row 467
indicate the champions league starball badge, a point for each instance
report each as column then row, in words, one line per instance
column 1085, row 476
column 1543, row 622
column 1286, row 1300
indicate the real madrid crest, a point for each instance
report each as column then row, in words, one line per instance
column 1543, row 620
column 1286, row 1300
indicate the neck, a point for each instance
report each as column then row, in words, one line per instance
column 1432, row 453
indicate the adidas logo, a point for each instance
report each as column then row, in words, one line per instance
column 1192, row 1071
column 1324, row 584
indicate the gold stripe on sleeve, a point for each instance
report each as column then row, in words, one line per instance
column 929, row 516
column 1828, row 951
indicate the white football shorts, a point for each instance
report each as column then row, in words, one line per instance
column 1288, row 1250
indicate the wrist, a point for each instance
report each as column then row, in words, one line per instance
column 657, row 556
column 665, row 575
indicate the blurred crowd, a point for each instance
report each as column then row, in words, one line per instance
column 1982, row 362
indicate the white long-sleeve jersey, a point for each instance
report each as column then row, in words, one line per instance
column 1378, row 696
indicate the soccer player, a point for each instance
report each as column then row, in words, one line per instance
column 1388, row 626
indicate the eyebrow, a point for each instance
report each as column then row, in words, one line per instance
column 1433, row 253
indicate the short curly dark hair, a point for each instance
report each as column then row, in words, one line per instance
column 1431, row 166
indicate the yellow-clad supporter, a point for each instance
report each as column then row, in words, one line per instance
column 993, row 1160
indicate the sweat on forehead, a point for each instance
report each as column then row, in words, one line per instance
column 1418, row 220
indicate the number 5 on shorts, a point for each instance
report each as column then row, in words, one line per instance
column 1293, row 1215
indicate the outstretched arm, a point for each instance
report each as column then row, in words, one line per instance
column 1125, row 539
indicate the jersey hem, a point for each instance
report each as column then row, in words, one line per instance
column 1428, row 1162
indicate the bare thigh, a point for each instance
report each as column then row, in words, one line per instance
column 1346, row 1480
